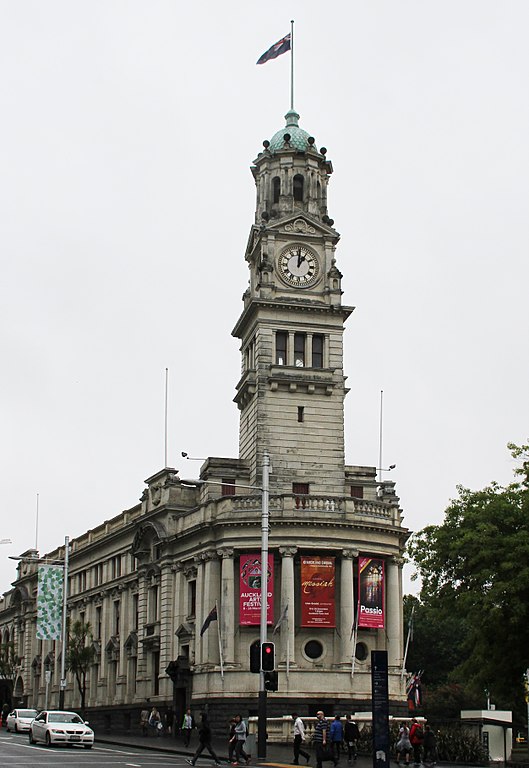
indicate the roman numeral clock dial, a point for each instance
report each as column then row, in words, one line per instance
column 298, row 266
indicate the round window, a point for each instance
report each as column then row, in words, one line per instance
column 361, row 651
column 313, row 649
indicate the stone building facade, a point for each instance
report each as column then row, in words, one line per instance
column 147, row 579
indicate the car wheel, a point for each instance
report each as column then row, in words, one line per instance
column 31, row 739
column 48, row 740
column 16, row 728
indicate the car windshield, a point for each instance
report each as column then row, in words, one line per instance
column 63, row 717
column 26, row 712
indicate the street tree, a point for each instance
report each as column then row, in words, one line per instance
column 80, row 654
column 474, row 571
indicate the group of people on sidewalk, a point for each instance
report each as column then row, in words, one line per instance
column 328, row 739
column 416, row 740
column 236, row 740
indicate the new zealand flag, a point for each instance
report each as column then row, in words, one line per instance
column 282, row 46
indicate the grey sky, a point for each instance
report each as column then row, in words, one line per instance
column 127, row 133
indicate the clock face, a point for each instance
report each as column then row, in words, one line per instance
column 298, row 265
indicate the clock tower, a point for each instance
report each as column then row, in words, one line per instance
column 292, row 388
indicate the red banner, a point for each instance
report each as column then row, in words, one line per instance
column 371, row 591
column 317, row 592
column 250, row 590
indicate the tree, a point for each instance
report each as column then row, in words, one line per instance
column 80, row 655
column 474, row 569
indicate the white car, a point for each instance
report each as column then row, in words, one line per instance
column 20, row 719
column 57, row 727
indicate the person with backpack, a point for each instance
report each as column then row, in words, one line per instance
column 351, row 734
column 416, row 739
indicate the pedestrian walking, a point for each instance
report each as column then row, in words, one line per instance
column 188, row 724
column 351, row 734
column 232, row 741
column 241, row 733
column 319, row 739
column 144, row 721
column 204, row 741
column 336, row 736
column 429, row 747
column 403, row 747
column 155, row 722
column 299, row 738
column 416, row 738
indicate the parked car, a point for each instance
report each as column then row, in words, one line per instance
column 20, row 719
column 54, row 726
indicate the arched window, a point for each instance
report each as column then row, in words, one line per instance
column 276, row 189
column 298, row 187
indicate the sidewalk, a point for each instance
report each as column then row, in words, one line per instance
column 276, row 754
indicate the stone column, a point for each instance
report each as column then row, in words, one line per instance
column 199, row 609
column 227, row 605
column 210, row 639
column 167, row 628
column 347, row 606
column 394, row 611
column 288, row 628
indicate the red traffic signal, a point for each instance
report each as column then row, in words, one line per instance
column 268, row 657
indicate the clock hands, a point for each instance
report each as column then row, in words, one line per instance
column 301, row 258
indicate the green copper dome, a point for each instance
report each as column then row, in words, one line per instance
column 298, row 137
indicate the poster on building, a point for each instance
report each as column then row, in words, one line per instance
column 250, row 590
column 371, row 591
column 49, row 602
column 317, row 592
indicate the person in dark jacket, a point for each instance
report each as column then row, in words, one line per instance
column 351, row 734
column 204, row 741
column 429, row 746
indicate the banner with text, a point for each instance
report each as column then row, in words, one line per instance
column 250, row 590
column 317, row 592
column 49, row 602
column 371, row 591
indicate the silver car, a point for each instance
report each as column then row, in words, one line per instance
column 20, row 719
column 54, row 726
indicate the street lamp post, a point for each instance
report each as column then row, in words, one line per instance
column 261, row 712
column 265, row 495
column 64, row 616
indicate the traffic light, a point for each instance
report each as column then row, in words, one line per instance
column 255, row 657
column 268, row 657
column 271, row 681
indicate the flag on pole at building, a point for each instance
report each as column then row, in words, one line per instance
column 282, row 46
column 49, row 602
column 212, row 616
column 414, row 693
column 281, row 619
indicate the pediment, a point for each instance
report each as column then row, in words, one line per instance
column 299, row 224
column 184, row 631
column 131, row 643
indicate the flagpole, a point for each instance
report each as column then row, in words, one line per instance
column 165, row 436
column 220, row 641
column 355, row 639
column 292, row 64
column 410, row 628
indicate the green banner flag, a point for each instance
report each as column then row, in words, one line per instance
column 49, row 602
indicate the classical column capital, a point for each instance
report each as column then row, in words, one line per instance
column 350, row 554
column 225, row 553
column 190, row 571
column 397, row 560
column 288, row 551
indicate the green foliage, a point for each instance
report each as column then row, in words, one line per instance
column 474, row 600
column 80, row 654
column 455, row 744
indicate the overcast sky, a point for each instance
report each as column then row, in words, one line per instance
column 127, row 133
